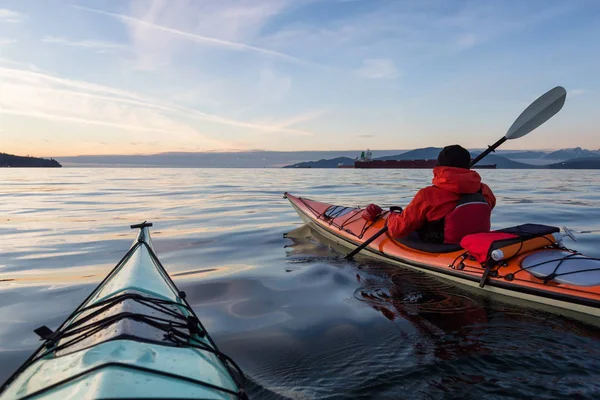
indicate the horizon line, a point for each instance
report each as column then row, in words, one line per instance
column 233, row 151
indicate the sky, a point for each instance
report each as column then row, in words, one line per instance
column 81, row 77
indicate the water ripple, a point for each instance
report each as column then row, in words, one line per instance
column 301, row 321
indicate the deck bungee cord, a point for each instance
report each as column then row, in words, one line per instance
column 150, row 318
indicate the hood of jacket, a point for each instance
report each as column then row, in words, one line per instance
column 456, row 180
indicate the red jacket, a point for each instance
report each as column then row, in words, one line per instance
column 435, row 202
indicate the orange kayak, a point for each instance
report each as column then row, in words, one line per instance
column 535, row 269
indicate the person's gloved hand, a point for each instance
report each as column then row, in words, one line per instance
column 372, row 212
column 394, row 210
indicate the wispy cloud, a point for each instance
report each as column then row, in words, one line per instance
column 4, row 42
column 94, row 121
column 298, row 119
column 196, row 38
column 40, row 95
column 98, row 46
column 274, row 127
column 411, row 32
column 20, row 65
column 378, row 68
column 14, row 17
column 37, row 95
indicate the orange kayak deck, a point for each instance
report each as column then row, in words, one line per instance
column 510, row 277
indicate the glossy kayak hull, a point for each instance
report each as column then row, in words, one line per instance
column 135, row 336
column 345, row 226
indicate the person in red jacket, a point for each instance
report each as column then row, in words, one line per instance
column 456, row 205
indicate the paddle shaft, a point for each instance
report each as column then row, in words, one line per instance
column 366, row 243
column 489, row 150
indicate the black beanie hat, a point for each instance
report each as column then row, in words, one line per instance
column 454, row 156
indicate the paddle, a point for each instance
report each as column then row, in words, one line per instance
column 538, row 112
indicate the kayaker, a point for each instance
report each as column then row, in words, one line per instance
column 456, row 205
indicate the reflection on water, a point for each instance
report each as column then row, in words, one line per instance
column 301, row 321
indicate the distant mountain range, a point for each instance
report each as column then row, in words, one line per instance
column 295, row 159
column 11, row 160
column 424, row 153
column 245, row 159
column 579, row 159
column 332, row 163
column 563, row 154
column 578, row 163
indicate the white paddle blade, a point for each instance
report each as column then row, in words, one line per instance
column 538, row 112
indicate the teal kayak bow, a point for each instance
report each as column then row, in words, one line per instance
column 135, row 336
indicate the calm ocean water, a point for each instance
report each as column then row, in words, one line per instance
column 301, row 323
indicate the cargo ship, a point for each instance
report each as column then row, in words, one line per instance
column 366, row 161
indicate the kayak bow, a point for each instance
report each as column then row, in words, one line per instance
column 135, row 336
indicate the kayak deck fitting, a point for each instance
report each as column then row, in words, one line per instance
column 538, row 269
column 135, row 336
